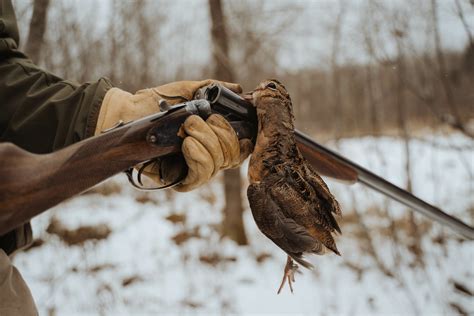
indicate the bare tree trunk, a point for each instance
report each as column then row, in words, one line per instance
column 402, row 117
column 232, row 226
column 145, row 31
column 372, row 105
column 37, row 29
column 461, row 16
column 414, row 244
column 113, row 31
column 336, row 80
column 443, row 76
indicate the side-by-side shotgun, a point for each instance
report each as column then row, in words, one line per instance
column 32, row 183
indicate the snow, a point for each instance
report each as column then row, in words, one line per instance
column 171, row 279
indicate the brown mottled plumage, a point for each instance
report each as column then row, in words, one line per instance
column 290, row 202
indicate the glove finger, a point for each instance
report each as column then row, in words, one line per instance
column 196, row 127
column 199, row 169
column 229, row 85
column 181, row 91
column 232, row 86
column 176, row 92
column 152, row 171
column 166, row 170
column 246, row 148
column 173, row 168
column 227, row 139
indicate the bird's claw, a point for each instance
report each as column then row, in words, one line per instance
column 288, row 275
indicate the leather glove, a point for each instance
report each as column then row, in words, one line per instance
column 119, row 105
column 208, row 146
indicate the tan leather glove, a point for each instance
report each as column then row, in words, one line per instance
column 209, row 146
column 119, row 105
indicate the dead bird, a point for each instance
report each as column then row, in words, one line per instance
column 290, row 202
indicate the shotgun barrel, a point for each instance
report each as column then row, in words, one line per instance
column 32, row 183
column 349, row 171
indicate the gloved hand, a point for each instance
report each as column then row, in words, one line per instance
column 119, row 105
column 209, row 146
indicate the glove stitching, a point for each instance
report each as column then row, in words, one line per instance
column 172, row 97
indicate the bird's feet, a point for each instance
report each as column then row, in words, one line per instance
column 289, row 274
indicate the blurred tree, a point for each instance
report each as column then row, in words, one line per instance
column 398, row 33
column 336, row 72
column 469, row 58
column 456, row 118
column 468, row 63
column 37, row 29
column 114, row 45
column 232, row 226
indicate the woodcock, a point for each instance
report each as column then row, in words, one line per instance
column 290, row 202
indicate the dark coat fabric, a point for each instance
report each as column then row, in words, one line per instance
column 39, row 112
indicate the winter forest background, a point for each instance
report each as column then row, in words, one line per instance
column 387, row 83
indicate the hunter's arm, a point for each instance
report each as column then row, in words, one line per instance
column 42, row 113
column 39, row 111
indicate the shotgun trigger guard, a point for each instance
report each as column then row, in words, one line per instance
column 138, row 182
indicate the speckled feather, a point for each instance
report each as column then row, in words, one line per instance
column 290, row 203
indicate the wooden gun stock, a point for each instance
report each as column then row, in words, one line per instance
column 32, row 183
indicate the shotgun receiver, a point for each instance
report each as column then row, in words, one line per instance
column 33, row 183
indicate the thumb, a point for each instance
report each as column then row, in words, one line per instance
column 235, row 87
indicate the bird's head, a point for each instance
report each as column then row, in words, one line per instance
column 271, row 99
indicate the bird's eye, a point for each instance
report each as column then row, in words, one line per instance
column 272, row 86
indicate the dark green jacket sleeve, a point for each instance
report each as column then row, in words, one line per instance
column 39, row 111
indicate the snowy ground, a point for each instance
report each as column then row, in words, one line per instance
column 140, row 270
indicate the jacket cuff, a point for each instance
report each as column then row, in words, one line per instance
column 92, row 118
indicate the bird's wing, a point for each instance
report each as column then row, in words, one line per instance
column 304, row 211
column 318, row 200
column 321, row 188
column 282, row 230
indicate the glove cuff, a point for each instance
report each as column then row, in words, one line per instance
column 112, row 109
column 120, row 105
